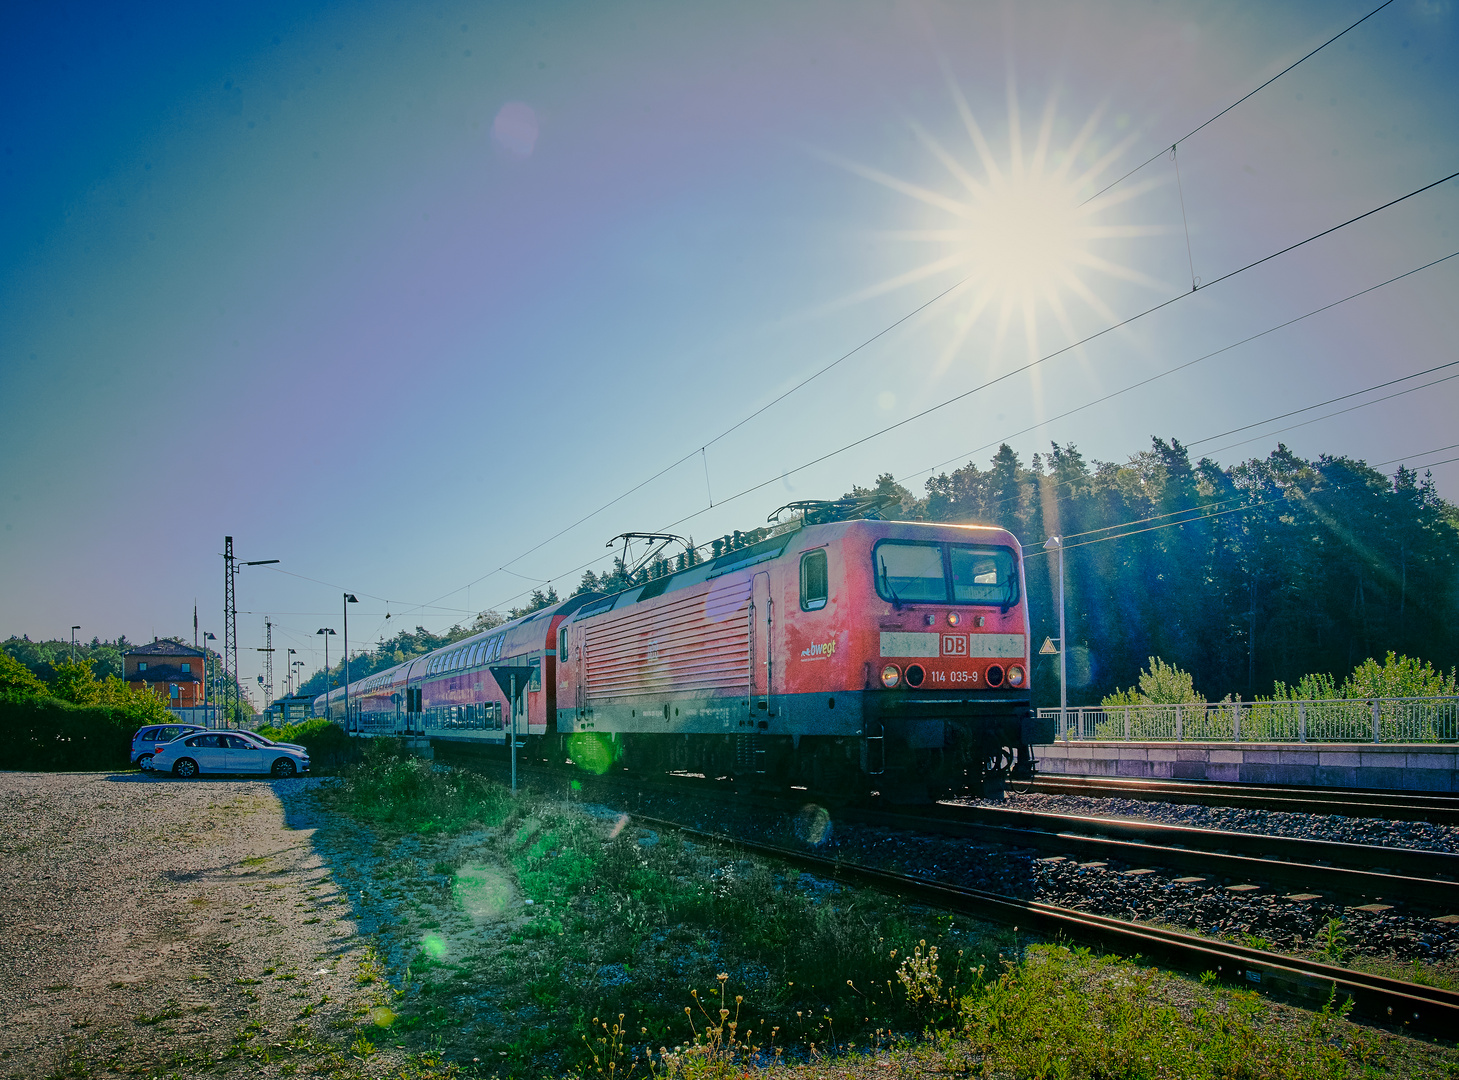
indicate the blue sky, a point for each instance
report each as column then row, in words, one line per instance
column 395, row 293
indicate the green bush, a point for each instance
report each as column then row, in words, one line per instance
column 1396, row 676
column 44, row 733
column 1162, row 684
column 328, row 745
column 391, row 786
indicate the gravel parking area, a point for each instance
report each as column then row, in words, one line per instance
column 154, row 926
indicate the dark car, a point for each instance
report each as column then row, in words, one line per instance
column 149, row 740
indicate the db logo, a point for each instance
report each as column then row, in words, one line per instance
column 954, row 645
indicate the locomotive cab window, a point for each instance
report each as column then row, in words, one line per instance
column 562, row 645
column 923, row 572
column 814, row 587
column 910, row 572
column 983, row 575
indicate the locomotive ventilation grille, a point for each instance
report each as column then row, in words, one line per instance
column 675, row 647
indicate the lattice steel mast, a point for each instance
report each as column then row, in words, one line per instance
column 268, row 662
column 230, row 632
column 232, row 688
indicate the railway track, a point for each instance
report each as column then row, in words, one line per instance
column 1380, row 877
column 1394, row 806
column 1425, row 879
column 1140, row 844
column 1420, row 1008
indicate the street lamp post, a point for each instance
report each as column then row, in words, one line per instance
column 210, row 673
column 73, row 642
column 289, row 675
column 1055, row 543
column 328, row 632
column 349, row 598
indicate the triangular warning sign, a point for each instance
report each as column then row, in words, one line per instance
column 1048, row 648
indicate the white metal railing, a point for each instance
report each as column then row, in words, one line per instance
column 1378, row 720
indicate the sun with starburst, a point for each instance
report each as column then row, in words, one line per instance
column 1023, row 231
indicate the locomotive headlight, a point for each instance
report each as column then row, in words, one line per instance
column 953, row 618
column 891, row 676
column 1015, row 676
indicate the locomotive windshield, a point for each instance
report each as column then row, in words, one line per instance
column 923, row 572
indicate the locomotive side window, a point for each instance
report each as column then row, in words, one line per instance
column 908, row 572
column 562, row 645
column 983, row 575
column 813, row 581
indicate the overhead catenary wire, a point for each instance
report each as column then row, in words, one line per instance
column 1330, row 401
column 1339, row 412
column 1191, row 363
column 924, row 413
column 1242, row 499
column 1245, row 502
column 1100, row 333
column 702, row 449
column 1170, row 149
column 957, row 397
column 885, row 330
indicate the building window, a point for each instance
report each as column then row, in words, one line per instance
column 142, row 666
column 186, row 666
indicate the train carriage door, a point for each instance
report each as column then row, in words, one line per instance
column 762, row 668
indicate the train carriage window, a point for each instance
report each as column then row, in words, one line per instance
column 814, row 587
column 909, row 572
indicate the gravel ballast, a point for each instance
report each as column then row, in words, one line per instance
column 1335, row 827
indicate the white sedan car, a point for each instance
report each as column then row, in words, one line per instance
column 215, row 752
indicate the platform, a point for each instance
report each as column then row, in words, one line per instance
column 1394, row 766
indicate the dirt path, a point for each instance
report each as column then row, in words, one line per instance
column 152, row 925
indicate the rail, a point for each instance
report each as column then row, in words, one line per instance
column 1345, row 720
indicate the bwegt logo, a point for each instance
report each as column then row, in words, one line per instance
column 819, row 650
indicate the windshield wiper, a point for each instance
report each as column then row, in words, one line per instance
column 886, row 584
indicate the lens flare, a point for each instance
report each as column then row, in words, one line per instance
column 483, row 892
column 433, row 945
column 592, row 751
column 813, row 825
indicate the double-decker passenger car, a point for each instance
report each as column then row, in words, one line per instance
column 853, row 656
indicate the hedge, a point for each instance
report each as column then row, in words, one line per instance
column 43, row 733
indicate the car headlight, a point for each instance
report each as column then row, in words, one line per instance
column 891, row 676
column 1015, row 676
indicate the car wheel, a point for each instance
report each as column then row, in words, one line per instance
column 284, row 768
column 186, row 768
column 144, row 762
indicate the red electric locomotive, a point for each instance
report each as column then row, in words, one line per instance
column 843, row 656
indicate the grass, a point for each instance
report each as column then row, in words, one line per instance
column 523, row 936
